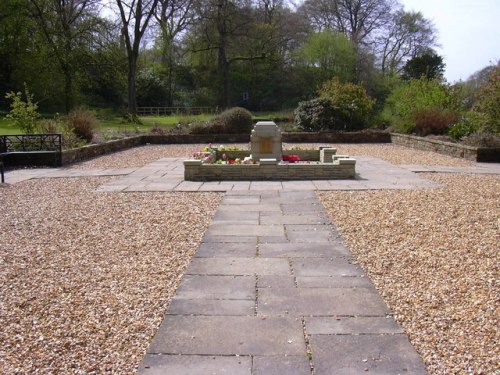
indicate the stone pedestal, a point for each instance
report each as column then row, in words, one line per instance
column 326, row 154
column 265, row 141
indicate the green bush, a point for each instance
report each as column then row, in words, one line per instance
column 470, row 123
column 23, row 113
column 433, row 121
column 315, row 115
column 234, row 120
column 406, row 101
column 82, row 123
column 352, row 105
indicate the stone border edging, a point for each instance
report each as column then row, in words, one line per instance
column 478, row 154
column 93, row 150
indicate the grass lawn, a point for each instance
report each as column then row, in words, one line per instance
column 166, row 122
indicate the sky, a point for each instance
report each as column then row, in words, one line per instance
column 468, row 33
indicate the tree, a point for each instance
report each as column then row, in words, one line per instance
column 173, row 17
column 428, row 65
column 358, row 19
column 66, row 25
column 406, row 36
column 135, row 16
column 229, row 32
column 332, row 54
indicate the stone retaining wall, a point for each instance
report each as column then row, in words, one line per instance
column 194, row 170
column 447, row 148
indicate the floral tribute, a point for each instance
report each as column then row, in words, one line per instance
column 291, row 158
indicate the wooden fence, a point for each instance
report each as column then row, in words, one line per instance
column 168, row 111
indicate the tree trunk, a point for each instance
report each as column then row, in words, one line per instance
column 68, row 89
column 132, row 73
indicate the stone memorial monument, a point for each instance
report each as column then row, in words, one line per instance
column 265, row 142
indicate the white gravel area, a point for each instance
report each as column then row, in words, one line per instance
column 140, row 156
column 434, row 256
column 86, row 277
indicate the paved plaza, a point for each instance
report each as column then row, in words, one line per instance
column 168, row 175
column 278, row 292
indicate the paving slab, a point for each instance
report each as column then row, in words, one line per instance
column 360, row 325
column 238, row 266
column 240, row 217
column 229, row 335
column 229, row 239
column 303, row 250
column 224, row 229
column 325, row 267
column 361, row 354
column 219, row 307
column 333, row 282
column 217, row 287
column 290, row 365
column 270, row 281
column 226, row 250
column 159, row 364
column 311, row 237
column 320, row 302
column 279, row 218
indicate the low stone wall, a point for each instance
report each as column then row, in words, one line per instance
column 194, row 170
column 452, row 149
column 365, row 136
column 447, row 148
column 91, row 151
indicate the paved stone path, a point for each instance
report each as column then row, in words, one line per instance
column 277, row 293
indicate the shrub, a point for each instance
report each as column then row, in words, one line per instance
column 406, row 101
column 314, row 115
column 489, row 102
column 352, row 105
column 482, row 138
column 234, row 120
column 23, row 113
column 82, row 123
column 433, row 121
column 470, row 123
column 157, row 129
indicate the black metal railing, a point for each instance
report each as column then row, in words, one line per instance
column 30, row 143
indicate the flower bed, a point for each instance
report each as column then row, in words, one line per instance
column 217, row 164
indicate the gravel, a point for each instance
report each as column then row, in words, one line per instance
column 433, row 255
column 86, row 277
column 140, row 156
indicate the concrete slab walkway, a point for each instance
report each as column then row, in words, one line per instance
column 273, row 290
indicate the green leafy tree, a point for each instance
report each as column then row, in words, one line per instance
column 67, row 27
column 330, row 54
column 24, row 113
